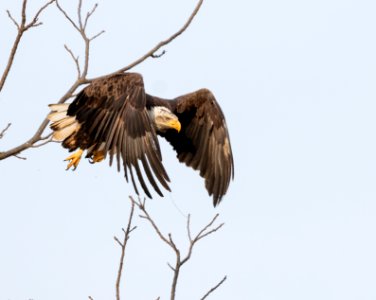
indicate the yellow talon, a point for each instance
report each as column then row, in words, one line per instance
column 74, row 159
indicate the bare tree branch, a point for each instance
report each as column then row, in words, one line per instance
column 21, row 28
column 214, row 288
column 123, row 246
column 179, row 261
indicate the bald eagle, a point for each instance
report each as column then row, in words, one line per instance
column 115, row 117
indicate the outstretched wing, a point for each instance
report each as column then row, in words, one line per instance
column 203, row 142
column 114, row 121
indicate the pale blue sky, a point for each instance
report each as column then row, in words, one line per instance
column 296, row 81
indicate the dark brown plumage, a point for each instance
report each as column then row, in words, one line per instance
column 115, row 117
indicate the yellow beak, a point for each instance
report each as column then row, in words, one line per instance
column 175, row 124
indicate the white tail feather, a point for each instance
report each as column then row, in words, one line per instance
column 57, row 116
column 65, row 132
column 62, row 123
column 59, row 107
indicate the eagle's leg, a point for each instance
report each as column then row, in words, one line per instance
column 74, row 159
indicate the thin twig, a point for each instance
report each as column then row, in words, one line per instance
column 13, row 20
column 2, row 133
column 96, row 35
column 214, row 288
column 79, row 10
column 158, row 55
column 123, row 246
column 20, row 157
column 67, row 16
column 47, row 139
column 189, row 227
column 75, row 59
column 147, row 217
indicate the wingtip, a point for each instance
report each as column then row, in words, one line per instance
column 216, row 200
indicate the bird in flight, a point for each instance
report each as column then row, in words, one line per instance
column 114, row 117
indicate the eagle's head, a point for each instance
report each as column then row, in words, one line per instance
column 164, row 119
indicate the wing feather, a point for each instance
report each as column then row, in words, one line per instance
column 203, row 142
column 113, row 118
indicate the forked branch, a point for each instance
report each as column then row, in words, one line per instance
column 167, row 239
column 22, row 27
column 81, row 29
